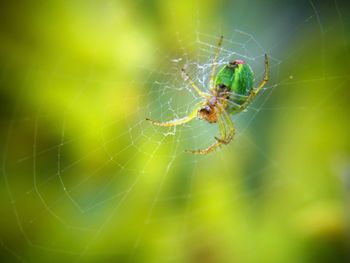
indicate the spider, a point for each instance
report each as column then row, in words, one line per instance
column 230, row 92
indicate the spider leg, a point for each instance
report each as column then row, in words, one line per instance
column 194, row 86
column 216, row 144
column 215, row 63
column 222, row 127
column 227, row 139
column 255, row 91
column 176, row 122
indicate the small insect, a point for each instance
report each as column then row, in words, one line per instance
column 230, row 92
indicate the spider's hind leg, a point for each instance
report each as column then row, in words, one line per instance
column 256, row 90
column 215, row 63
column 194, row 86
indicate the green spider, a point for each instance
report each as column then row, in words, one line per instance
column 230, row 92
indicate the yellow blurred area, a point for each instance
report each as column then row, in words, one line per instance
column 84, row 178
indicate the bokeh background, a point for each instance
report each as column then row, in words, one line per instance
column 84, row 178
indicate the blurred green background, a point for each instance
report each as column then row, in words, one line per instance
column 85, row 179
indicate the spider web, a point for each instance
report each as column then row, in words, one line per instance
column 121, row 185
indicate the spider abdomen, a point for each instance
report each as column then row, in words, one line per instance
column 238, row 79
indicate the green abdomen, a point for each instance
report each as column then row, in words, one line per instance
column 239, row 80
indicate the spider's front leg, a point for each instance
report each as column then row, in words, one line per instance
column 217, row 143
column 227, row 139
column 180, row 121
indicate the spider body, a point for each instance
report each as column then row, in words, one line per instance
column 237, row 80
column 230, row 92
column 233, row 84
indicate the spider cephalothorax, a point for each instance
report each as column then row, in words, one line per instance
column 214, row 105
column 209, row 111
column 230, row 92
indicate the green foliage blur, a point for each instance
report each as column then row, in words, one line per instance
column 85, row 179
